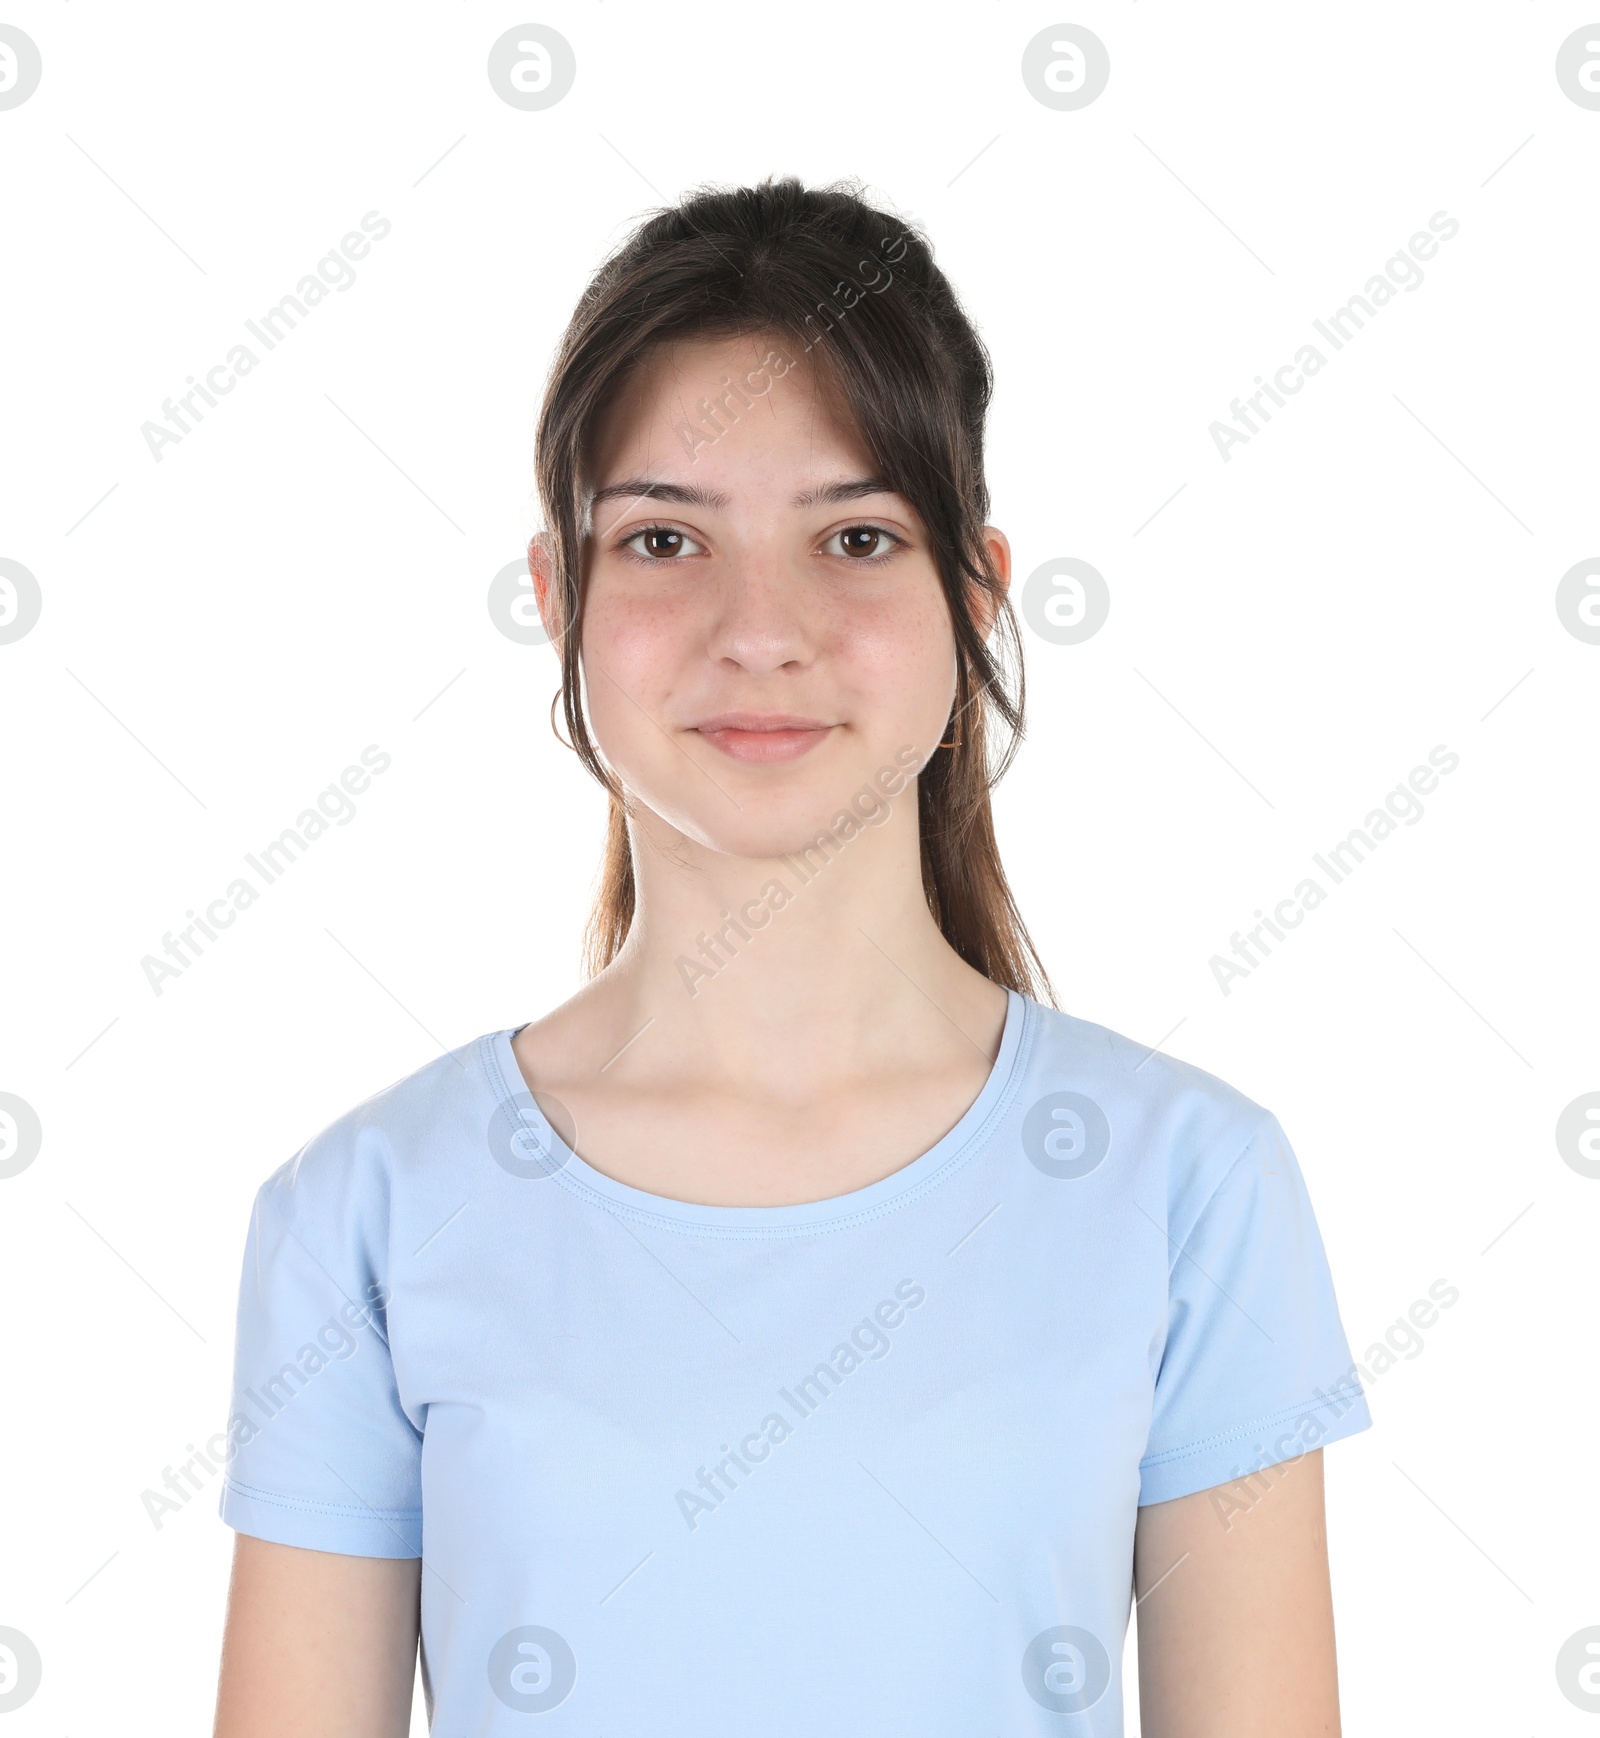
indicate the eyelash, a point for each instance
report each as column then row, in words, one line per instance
column 625, row 544
column 895, row 541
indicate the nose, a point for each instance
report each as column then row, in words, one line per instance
column 761, row 621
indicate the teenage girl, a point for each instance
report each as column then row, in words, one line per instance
column 805, row 1329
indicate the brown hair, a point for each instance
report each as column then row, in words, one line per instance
column 859, row 287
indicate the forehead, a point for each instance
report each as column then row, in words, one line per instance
column 718, row 409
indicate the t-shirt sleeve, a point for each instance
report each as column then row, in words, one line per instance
column 1255, row 1369
column 321, row 1452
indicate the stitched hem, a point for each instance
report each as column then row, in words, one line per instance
column 311, row 1506
column 318, row 1526
column 1308, row 1408
column 975, row 1144
column 1209, row 1469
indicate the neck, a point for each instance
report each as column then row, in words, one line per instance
column 790, row 965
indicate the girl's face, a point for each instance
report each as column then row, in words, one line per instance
column 765, row 635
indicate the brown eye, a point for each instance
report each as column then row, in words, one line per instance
column 662, row 543
column 862, row 541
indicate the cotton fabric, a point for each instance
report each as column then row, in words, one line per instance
column 863, row 1465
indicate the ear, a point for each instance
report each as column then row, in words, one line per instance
column 542, row 569
column 999, row 548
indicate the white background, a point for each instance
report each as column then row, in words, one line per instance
column 1294, row 629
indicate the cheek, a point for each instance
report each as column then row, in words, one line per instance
column 640, row 641
column 635, row 652
column 898, row 652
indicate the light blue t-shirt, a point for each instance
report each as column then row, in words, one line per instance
column 867, row 1465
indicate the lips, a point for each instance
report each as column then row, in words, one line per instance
column 763, row 738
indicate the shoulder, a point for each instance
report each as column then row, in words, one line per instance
column 1165, row 1118
column 418, row 1124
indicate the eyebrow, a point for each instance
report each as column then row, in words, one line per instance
column 643, row 488
column 690, row 495
column 851, row 490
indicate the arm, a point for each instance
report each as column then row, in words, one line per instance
column 317, row 1645
column 1237, row 1640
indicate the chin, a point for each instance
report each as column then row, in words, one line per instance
column 813, row 817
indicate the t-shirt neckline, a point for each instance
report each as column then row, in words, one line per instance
column 833, row 1212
